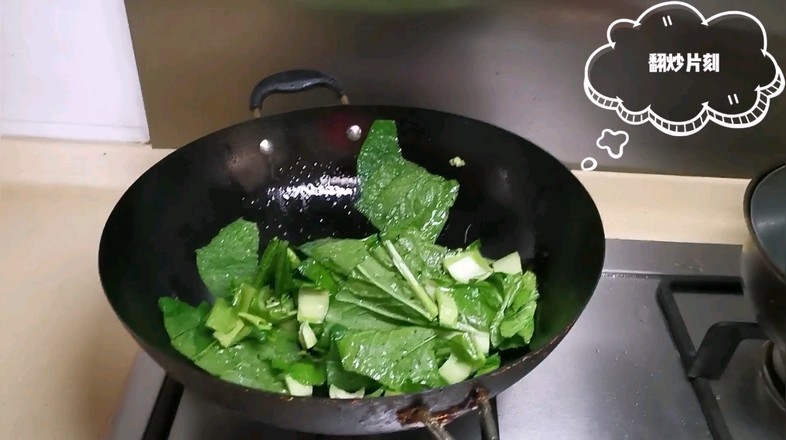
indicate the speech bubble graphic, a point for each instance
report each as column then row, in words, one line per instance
column 696, row 70
column 589, row 164
column 608, row 136
column 613, row 142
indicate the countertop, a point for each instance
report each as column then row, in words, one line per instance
column 64, row 357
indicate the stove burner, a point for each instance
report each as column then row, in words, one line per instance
column 773, row 371
column 708, row 362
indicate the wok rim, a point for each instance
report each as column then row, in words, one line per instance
column 402, row 401
column 750, row 190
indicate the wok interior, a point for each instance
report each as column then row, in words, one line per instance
column 768, row 216
column 513, row 196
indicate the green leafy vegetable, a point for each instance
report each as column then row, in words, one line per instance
column 516, row 317
column 399, row 359
column 398, row 195
column 338, row 255
column 185, row 326
column 318, row 275
column 354, row 317
column 478, row 303
column 422, row 257
column 464, row 347
column 388, row 314
column 491, row 364
column 308, row 372
column 230, row 257
column 385, row 302
column 343, row 379
column 228, row 326
column 280, row 347
column 240, row 364
column 415, row 286
column 276, row 267
column 383, row 278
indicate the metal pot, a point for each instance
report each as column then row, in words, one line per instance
column 764, row 254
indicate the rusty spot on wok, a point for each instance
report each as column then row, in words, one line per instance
column 419, row 414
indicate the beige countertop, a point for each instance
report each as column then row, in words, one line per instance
column 64, row 356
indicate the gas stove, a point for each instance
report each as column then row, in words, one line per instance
column 667, row 348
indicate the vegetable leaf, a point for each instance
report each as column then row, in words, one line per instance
column 308, row 372
column 379, row 149
column 346, row 380
column 516, row 317
column 283, row 283
column 379, row 270
column 240, row 364
column 185, row 326
column 266, row 273
column 338, row 255
column 478, row 303
column 397, row 195
column 423, row 257
column 354, row 317
column 255, row 373
column 465, row 349
column 398, row 359
column 276, row 267
column 374, row 299
column 281, row 347
column 230, row 257
column 277, row 310
column 492, row 363
column 318, row 275
column 373, row 282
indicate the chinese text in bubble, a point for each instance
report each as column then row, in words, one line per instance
column 692, row 62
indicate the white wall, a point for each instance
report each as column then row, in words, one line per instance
column 67, row 71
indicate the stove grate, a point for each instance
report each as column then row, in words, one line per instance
column 708, row 362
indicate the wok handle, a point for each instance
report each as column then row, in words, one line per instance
column 488, row 425
column 293, row 81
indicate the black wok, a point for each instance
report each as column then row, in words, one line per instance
column 764, row 257
column 513, row 196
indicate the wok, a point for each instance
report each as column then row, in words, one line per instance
column 513, row 196
column 764, row 256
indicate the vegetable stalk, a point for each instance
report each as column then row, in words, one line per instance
column 420, row 292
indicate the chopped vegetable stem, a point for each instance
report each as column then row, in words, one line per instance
column 395, row 295
column 383, row 312
column 402, row 267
